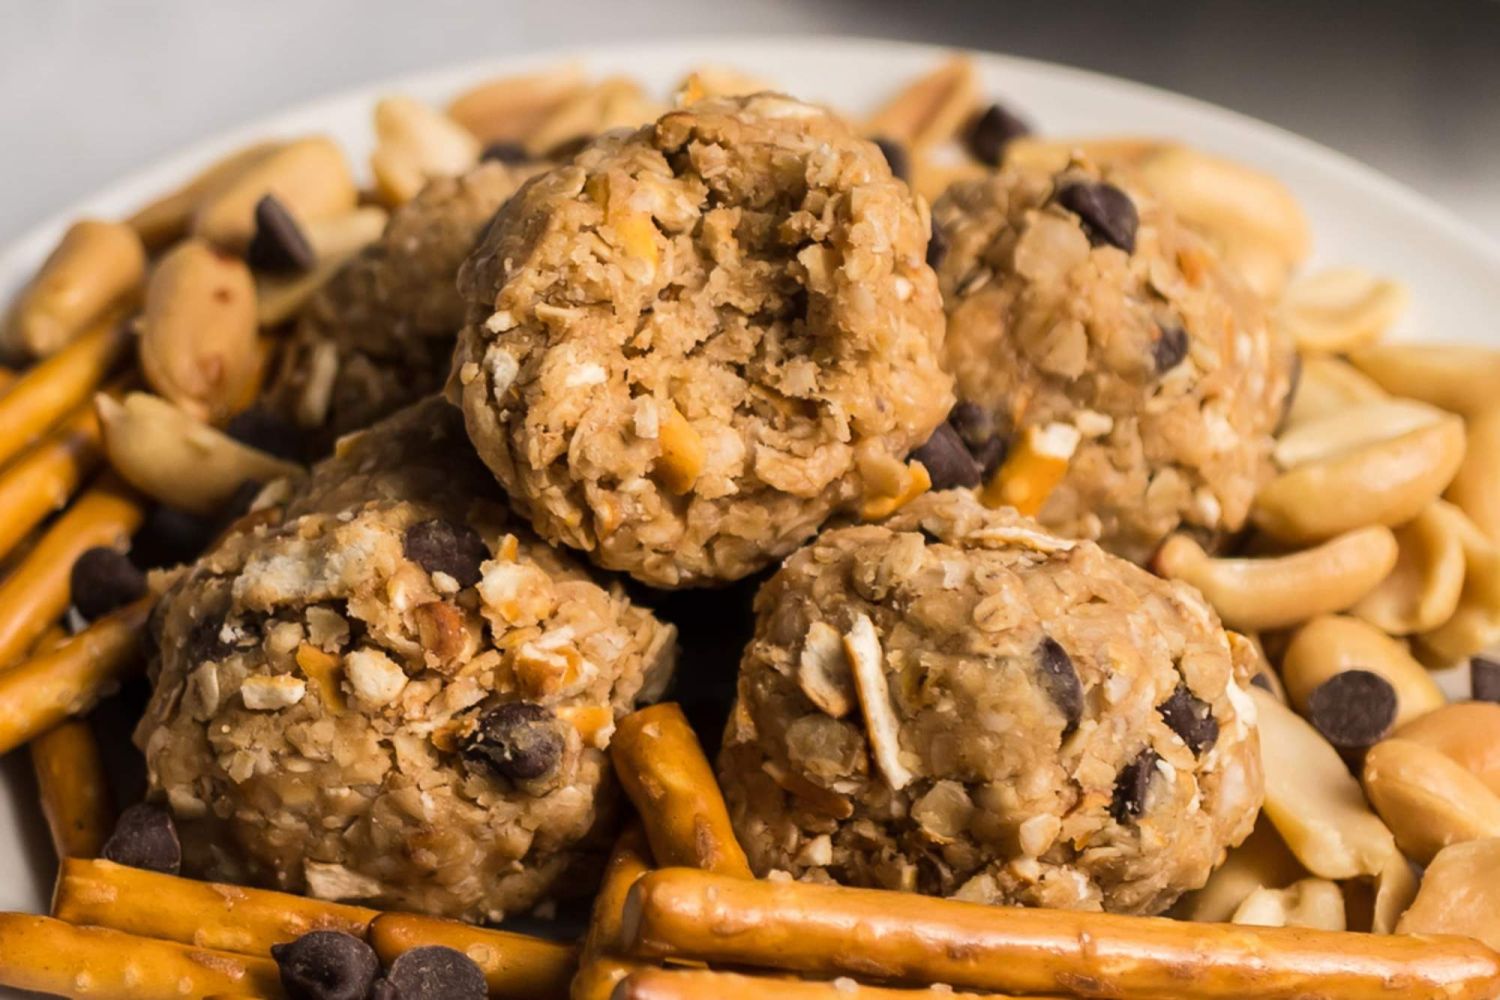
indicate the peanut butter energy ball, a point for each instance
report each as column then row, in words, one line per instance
column 393, row 694
column 959, row 703
column 1080, row 310
column 691, row 345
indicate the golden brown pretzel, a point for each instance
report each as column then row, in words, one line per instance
column 517, row 966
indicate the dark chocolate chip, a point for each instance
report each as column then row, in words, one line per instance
column 145, row 837
column 279, row 245
column 1354, row 709
column 992, row 130
column 506, row 152
column 937, row 246
column 1170, row 348
column 1107, row 213
column 947, row 459
column 102, row 580
column 568, row 148
column 238, row 504
column 444, row 547
column 896, row 156
column 269, row 431
column 326, row 965
column 1263, row 682
column 436, row 973
column 1059, row 679
column 517, row 740
column 205, row 641
column 1132, row 785
column 1484, row 679
column 170, row 537
column 989, row 455
column 976, row 427
column 1190, row 717
column 384, row 991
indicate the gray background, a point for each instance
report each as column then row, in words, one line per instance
column 91, row 90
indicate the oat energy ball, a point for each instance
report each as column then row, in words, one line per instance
column 958, row 703
column 380, row 334
column 1078, row 300
column 693, row 343
column 394, row 695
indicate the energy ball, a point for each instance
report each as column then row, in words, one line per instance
column 380, row 334
column 1082, row 312
column 394, row 695
column 691, row 345
column 959, row 703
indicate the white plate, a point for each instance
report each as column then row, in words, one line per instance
column 1358, row 216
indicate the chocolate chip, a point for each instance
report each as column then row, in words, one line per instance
column 205, row 641
column 506, row 152
column 278, row 246
column 1170, row 348
column 436, row 973
column 238, row 504
column 896, row 156
column 568, row 148
column 145, row 837
column 1484, row 679
column 102, row 580
column 937, row 246
column 268, row 431
column 444, row 547
column 1059, row 678
column 1107, row 213
column 1263, row 682
column 1132, row 785
column 517, row 740
column 976, row 427
column 992, row 130
column 326, row 965
column 947, row 459
column 1191, row 718
column 1353, row 709
column 170, row 537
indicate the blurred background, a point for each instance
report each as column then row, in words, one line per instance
column 94, row 89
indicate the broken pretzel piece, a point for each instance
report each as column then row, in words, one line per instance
column 516, row 966
column 663, row 770
column 73, row 787
column 1033, row 469
column 694, row 984
column 46, row 477
column 827, row 930
column 45, row 394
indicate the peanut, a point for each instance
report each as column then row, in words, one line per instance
column 1329, row 645
column 1465, row 732
column 1460, row 894
column 309, row 176
column 96, row 266
column 1427, row 799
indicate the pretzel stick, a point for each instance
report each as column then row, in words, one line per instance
column 42, row 396
column 74, row 789
column 203, row 914
column 517, row 966
column 44, row 478
column 599, row 968
column 43, row 691
column 50, row 956
column 835, row 931
column 663, row 770
column 36, row 592
column 695, row 984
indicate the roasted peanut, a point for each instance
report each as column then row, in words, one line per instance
column 617, row 102
column 1395, row 887
column 198, row 332
column 1313, row 801
column 1312, row 902
column 511, row 108
column 1386, row 482
column 1352, row 424
column 165, row 453
column 1277, row 591
column 1339, row 309
column 1328, row 386
column 415, row 143
column 1427, row 799
column 167, row 219
column 97, row 266
column 309, row 177
column 334, row 240
column 1466, row 732
column 1423, row 589
column 1262, row 860
column 1049, row 155
column 1460, row 894
column 1329, row 645
column 1475, row 623
column 707, row 82
column 1457, row 377
column 1475, row 488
